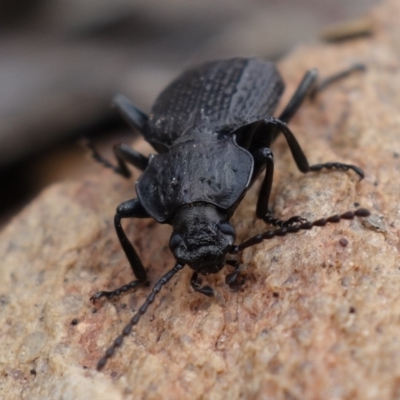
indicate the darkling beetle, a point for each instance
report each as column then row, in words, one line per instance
column 212, row 128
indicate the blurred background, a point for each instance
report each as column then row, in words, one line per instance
column 62, row 62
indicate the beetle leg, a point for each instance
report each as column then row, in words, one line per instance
column 309, row 87
column 124, row 154
column 306, row 86
column 299, row 156
column 195, row 282
column 135, row 118
column 265, row 157
column 337, row 77
column 116, row 292
column 129, row 209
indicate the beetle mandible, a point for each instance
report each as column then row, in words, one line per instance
column 212, row 128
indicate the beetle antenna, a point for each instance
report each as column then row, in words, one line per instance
column 135, row 319
column 361, row 212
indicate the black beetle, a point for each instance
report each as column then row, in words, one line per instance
column 212, row 128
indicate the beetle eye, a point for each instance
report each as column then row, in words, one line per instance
column 227, row 228
column 175, row 241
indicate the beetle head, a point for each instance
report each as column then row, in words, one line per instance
column 201, row 237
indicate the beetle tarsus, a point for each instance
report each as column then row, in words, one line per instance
column 337, row 165
column 269, row 219
column 116, row 292
column 360, row 67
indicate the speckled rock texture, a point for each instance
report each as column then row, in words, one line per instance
column 318, row 314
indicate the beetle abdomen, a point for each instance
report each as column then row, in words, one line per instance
column 220, row 95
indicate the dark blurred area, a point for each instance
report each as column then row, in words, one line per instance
column 62, row 62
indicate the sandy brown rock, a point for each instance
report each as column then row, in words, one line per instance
column 314, row 320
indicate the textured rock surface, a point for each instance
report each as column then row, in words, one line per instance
column 314, row 320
